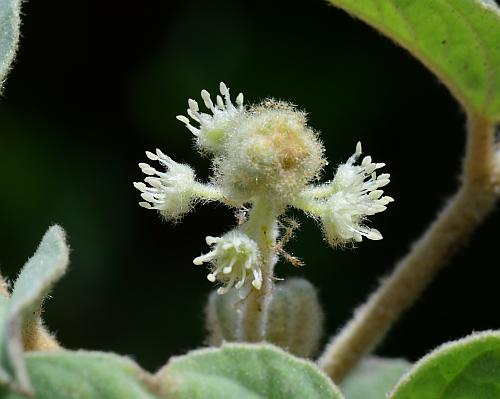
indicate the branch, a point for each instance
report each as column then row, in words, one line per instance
column 474, row 200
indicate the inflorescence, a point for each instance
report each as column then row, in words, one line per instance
column 264, row 157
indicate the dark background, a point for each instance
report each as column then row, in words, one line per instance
column 97, row 83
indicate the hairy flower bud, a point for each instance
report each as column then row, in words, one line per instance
column 294, row 318
column 271, row 153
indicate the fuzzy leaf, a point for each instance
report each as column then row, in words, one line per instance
column 222, row 317
column 9, row 34
column 84, row 375
column 40, row 272
column 465, row 369
column 459, row 40
column 244, row 371
column 295, row 317
column 374, row 378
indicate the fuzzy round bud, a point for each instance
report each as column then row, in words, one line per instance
column 271, row 153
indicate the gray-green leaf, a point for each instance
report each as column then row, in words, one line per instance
column 459, row 40
column 465, row 369
column 9, row 34
column 36, row 279
column 373, row 378
column 84, row 375
column 244, row 371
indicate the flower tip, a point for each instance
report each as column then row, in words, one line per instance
column 151, row 156
column 146, row 205
column 183, row 119
column 140, row 186
column 211, row 240
column 374, row 234
column 223, row 89
column 205, row 95
column 198, row 261
column 239, row 100
column 358, row 148
column 193, row 105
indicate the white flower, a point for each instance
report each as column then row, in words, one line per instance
column 356, row 194
column 264, row 157
column 235, row 257
column 169, row 192
column 213, row 129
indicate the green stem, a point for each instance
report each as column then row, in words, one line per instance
column 453, row 226
column 261, row 227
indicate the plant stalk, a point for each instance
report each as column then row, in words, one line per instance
column 261, row 226
column 474, row 200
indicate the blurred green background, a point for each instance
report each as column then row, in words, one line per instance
column 98, row 83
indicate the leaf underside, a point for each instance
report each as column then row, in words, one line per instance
column 22, row 310
column 459, row 40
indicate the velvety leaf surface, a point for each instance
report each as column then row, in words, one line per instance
column 38, row 275
column 374, row 378
column 83, row 375
column 9, row 34
column 244, row 371
column 295, row 317
column 465, row 369
column 459, row 40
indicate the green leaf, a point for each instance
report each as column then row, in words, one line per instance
column 84, row 375
column 459, row 40
column 465, row 369
column 222, row 317
column 374, row 378
column 295, row 317
column 244, row 371
column 9, row 27
column 21, row 317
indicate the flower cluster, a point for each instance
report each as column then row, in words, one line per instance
column 169, row 192
column 355, row 194
column 264, row 157
column 211, row 133
column 234, row 258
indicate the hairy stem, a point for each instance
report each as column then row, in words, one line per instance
column 261, row 226
column 454, row 224
column 39, row 339
column 36, row 338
